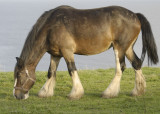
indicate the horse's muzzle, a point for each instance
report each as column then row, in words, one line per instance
column 20, row 95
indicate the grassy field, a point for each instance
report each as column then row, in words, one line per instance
column 94, row 82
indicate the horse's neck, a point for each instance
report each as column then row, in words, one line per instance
column 32, row 53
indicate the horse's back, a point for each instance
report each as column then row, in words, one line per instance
column 91, row 31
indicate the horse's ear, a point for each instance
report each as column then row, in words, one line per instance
column 19, row 62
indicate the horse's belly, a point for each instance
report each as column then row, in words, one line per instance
column 92, row 48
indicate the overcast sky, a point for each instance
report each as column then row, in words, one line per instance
column 77, row 0
column 18, row 17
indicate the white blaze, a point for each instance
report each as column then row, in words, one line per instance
column 14, row 86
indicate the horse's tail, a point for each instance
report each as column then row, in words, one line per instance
column 148, row 41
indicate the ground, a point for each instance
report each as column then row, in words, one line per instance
column 94, row 83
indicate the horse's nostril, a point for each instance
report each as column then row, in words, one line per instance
column 19, row 96
column 22, row 96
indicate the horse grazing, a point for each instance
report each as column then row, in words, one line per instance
column 65, row 31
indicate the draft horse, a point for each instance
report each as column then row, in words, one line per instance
column 65, row 31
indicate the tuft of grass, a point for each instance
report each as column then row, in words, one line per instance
column 94, row 83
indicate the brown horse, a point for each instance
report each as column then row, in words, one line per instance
column 65, row 31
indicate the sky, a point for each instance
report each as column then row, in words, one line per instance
column 79, row 1
column 18, row 17
column 75, row 0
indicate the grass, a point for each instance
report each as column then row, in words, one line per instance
column 94, row 83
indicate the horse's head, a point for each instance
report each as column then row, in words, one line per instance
column 24, row 79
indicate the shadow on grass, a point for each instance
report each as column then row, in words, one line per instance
column 33, row 94
column 93, row 95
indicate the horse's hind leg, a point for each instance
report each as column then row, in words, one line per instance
column 77, row 89
column 140, row 83
column 48, row 89
column 114, row 87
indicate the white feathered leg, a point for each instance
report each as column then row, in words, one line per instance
column 77, row 89
column 48, row 88
column 114, row 87
column 140, row 83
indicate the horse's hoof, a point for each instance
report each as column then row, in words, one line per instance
column 107, row 96
column 42, row 93
column 136, row 93
column 75, row 97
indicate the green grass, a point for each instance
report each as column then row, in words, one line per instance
column 94, row 83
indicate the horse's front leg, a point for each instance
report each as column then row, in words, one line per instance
column 48, row 89
column 114, row 87
column 77, row 88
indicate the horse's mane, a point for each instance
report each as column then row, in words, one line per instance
column 32, row 36
column 35, row 31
